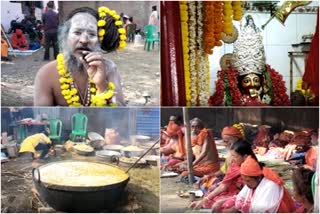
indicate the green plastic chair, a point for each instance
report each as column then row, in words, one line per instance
column 152, row 35
column 79, row 125
column 55, row 130
column 21, row 135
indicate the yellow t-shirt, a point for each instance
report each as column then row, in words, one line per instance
column 29, row 144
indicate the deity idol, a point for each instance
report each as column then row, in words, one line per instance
column 249, row 81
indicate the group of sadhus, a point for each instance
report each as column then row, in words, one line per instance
column 242, row 183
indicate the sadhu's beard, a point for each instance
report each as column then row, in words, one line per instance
column 73, row 62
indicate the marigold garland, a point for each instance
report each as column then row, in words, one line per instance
column 227, row 18
column 308, row 94
column 237, row 10
column 71, row 94
column 208, row 26
column 185, row 45
column 103, row 12
column 218, row 26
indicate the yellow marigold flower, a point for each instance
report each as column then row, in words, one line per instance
column 62, row 72
column 123, row 37
column 111, row 85
column 65, row 92
column 102, row 14
column 67, row 97
column 116, row 17
column 103, row 9
column 112, row 12
column 75, row 98
column 69, row 101
column 62, row 80
column 122, row 30
column 64, row 86
column 122, row 44
column 60, row 57
column 93, row 90
column 91, row 81
column 118, row 23
column 108, row 95
column 73, row 91
column 101, row 23
column 102, row 32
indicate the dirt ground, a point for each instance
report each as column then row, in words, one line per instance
column 139, row 71
column 16, row 183
column 170, row 201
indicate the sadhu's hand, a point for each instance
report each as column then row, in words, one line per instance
column 96, row 69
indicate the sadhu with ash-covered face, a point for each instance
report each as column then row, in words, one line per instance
column 81, row 75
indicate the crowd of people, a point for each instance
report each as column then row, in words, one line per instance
column 238, row 182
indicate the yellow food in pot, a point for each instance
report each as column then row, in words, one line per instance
column 83, row 147
column 81, row 174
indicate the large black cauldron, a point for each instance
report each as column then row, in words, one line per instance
column 78, row 199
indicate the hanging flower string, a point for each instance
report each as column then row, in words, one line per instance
column 218, row 22
column 202, row 74
column 103, row 12
column 237, row 10
column 185, row 46
column 192, row 48
column 72, row 95
column 208, row 27
column 227, row 18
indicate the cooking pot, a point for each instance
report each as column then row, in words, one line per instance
column 113, row 147
column 71, row 196
column 110, row 156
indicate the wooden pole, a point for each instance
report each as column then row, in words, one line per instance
column 188, row 143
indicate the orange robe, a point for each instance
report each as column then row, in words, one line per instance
column 4, row 48
column 19, row 40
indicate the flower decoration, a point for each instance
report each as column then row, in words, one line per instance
column 208, row 26
column 227, row 18
column 73, row 97
column 184, row 16
column 103, row 12
column 192, row 55
column 237, row 10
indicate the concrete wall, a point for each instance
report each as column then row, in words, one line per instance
column 140, row 10
column 10, row 11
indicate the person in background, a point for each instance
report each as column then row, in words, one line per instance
column 50, row 21
column 19, row 40
column 154, row 17
column 4, row 50
column 302, row 192
column 37, row 142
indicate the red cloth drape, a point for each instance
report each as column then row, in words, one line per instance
column 311, row 74
column 172, row 75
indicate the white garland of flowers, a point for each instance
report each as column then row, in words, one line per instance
column 202, row 74
column 192, row 48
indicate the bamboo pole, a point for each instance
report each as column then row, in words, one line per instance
column 188, row 143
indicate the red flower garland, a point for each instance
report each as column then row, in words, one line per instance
column 279, row 96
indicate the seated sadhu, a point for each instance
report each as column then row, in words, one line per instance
column 229, row 136
column 19, row 40
column 174, row 149
column 81, row 75
column 207, row 161
column 264, row 190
